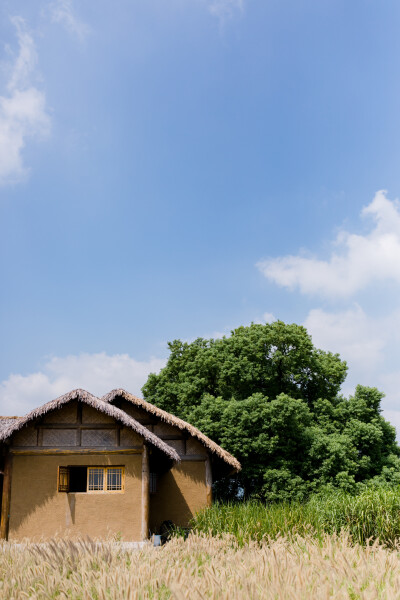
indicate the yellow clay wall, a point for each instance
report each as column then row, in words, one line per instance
column 180, row 493
column 38, row 511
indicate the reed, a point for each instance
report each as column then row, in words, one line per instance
column 371, row 515
column 201, row 567
column 333, row 546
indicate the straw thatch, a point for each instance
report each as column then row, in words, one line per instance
column 83, row 396
column 9, row 425
column 6, row 421
column 176, row 422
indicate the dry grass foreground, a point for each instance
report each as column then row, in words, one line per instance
column 200, row 567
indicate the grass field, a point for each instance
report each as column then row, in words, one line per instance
column 324, row 548
column 202, row 567
column 373, row 514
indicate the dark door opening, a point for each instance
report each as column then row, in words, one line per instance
column 77, row 479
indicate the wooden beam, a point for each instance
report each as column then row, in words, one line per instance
column 6, row 499
column 79, row 426
column 208, row 481
column 67, row 451
column 145, row 492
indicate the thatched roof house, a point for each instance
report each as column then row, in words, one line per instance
column 117, row 465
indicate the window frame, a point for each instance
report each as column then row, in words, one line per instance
column 63, row 479
column 105, row 480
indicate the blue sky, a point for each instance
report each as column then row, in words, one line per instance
column 174, row 169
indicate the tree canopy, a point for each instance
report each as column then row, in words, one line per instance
column 272, row 399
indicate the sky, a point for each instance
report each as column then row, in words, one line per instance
column 178, row 168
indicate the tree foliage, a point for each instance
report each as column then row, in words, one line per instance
column 272, row 399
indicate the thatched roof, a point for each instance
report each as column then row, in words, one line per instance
column 6, row 421
column 176, row 422
column 9, row 425
column 15, row 424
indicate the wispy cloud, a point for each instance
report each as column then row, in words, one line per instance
column 356, row 336
column 367, row 338
column 23, row 112
column 225, row 9
column 97, row 373
column 356, row 261
column 268, row 318
column 63, row 12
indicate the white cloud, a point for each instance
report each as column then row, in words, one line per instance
column 22, row 109
column 355, row 336
column 393, row 416
column 357, row 261
column 97, row 373
column 62, row 12
column 225, row 9
column 370, row 347
column 368, row 340
column 268, row 317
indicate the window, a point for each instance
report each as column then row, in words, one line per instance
column 114, row 479
column 91, row 479
column 95, row 479
column 153, row 483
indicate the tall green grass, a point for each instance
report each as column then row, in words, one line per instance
column 371, row 515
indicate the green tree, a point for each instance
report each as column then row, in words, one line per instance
column 272, row 399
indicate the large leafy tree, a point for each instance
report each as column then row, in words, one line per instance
column 272, row 399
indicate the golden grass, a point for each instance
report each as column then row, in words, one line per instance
column 201, row 567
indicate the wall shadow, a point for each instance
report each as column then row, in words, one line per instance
column 180, row 493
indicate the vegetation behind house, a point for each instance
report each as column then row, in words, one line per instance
column 272, row 399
